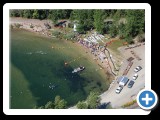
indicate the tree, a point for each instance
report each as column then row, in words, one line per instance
column 81, row 29
column 135, row 22
column 43, row 14
column 63, row 14
column 93, row 100
column 21, row 13
column 41, row 107
column 85, row 19
column 90, row 19
column 113, row 30
column 122, row 30
column 27, row 13
column 49, row 105
column 35, row 14
column 57, row 100
column 99, row 16
column 53, row 15
column 113, row 12
column 14, row 13
column 82, row 105
column 60, row 103
column 74, row 15
column 119, row 14
column 35, row 107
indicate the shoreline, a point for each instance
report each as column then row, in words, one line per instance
column 80, row 49
column 39, row 28
column 102, row 66
column 32, row 25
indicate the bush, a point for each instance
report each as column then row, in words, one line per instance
column 131, row 42
column 82, row 105
column 129, row 104
column 31, row 26
column 58, row 103
column 141, row 38
column 129, row 39
column 17, row 25
column 56, row 33
column 69, row 36
column 70, row 25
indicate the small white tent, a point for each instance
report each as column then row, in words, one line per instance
column 75, row 26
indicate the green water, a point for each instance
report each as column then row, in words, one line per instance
column 35, row 66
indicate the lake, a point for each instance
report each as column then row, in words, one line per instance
column 38, row 72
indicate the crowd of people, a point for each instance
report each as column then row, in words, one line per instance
column 92, row 43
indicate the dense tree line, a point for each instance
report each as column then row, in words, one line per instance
column 92, row 102
column 132, row 25
column 36, row 14
column 85, row 19
column 58, row 103
column 42, row 14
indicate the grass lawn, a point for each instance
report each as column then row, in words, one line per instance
column 115, row 45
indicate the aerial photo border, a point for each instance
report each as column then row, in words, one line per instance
column 6, row 48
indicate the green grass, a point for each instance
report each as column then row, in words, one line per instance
column 129, row 104
column 115, row 45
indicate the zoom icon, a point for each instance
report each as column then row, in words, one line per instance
column 147, row 99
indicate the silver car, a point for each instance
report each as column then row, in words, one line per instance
column 135, row 76
column 137, row 69
column 119, row 89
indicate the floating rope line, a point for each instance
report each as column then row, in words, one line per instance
column 75, row 59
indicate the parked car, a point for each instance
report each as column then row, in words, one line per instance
column 130, row 84
column 119, row 89
column 135, row 76
column 137, row 69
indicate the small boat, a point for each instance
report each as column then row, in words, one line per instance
column 81, row 68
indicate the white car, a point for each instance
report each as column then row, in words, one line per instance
column 137, row 69
column 119, row 89
column 135, row 76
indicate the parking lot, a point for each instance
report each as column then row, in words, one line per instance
column 128, row 94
